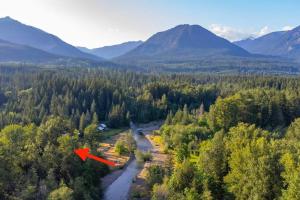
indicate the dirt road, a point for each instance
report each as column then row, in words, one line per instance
column 119, row 189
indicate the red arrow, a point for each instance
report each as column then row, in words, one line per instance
column 84, row 154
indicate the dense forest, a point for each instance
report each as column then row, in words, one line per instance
column 230, row 137
column 245, row 147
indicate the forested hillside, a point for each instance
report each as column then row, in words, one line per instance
column 230, row 137
column 245, row 147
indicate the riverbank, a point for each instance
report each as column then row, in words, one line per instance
column 139, row 189
column 114, row 175
column 121, row 181
column 107, row 148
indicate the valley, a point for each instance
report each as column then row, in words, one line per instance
column 149, row 100
column 120, row 188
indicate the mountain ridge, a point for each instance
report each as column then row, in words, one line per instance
column 10, row 52
column 281, row 43
column 112, row 51
column 187, row 42
column 189, row 47
column 16, row 32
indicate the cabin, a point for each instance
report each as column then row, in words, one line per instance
column 102, row 127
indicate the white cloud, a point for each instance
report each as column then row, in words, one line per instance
column 287, row 28
column 228, row 32
column 234, row 34
column 263, row 31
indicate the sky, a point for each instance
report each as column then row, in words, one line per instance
column 95, row 23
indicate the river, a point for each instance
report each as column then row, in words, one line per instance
column 119, row 189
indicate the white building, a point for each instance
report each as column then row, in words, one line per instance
column 102, row 127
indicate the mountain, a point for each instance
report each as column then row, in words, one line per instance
column 282, row 43
column 183, row 43
column 113, row 51
column 262, row 45
column 10, row 52
column 27, row 56
column 18, row 33
column 191, row 48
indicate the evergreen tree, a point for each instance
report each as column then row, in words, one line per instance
column 95, row 118
column 82, row 122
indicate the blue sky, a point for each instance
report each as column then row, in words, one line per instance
column 95, row 23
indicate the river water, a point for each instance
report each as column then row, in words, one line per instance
column 119, row 189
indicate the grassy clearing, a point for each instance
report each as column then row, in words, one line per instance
column 107, row 146
column 112, row 132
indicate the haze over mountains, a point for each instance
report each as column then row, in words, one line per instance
column 180, row 48
column 21, row 53
column 18, row 33
column 112, row 51
column 282, row 43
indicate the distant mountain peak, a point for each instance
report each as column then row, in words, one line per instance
column 9, row 19
column 250, row 38
column 188, row 26
column 16, row 32
column 112, row 51
column 280, row 43
column 183, row 42
column 123, row 43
